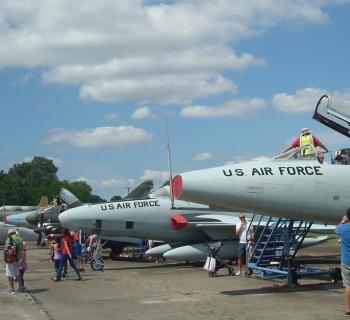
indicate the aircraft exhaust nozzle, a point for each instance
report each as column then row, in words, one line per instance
column 177, row 187
column 194, row 186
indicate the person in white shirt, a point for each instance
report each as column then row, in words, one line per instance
column 241, row 231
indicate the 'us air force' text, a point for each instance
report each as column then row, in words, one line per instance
column 129, row 205
column 283, row 171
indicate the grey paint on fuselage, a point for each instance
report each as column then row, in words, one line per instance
column 298, row 189
column 150, row 219
column 20, row 219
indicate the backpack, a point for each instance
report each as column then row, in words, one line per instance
column 10, row 252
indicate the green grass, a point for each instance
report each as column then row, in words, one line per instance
column 332, row 237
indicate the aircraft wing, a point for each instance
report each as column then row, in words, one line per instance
column 219, row 227
column 216, row 226
column 218, row 231
column 141, row 191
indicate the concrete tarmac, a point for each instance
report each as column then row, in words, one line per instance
column 146, row 290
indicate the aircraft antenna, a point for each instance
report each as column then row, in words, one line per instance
column 169, row 166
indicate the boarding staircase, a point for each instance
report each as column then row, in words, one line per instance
column 278, row 241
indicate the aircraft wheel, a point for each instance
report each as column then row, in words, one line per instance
column 97, row 264
column 335, row 273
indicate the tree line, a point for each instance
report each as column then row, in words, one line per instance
column 25, row 183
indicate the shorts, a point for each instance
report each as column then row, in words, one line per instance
column 345, row 273
column 242, row 250
column 12, row 270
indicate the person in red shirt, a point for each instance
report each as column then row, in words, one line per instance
column 67, row 254
column 306, row 136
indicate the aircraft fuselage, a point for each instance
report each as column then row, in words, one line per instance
column 146, row 219
column 298, row 189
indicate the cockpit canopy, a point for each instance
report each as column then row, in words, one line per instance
column 307, row 152
column 341, row 156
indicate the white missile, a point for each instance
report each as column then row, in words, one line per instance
column 200, row 251
column 158, row 252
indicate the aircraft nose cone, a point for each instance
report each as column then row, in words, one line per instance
column 65, row 218
column 33, row 218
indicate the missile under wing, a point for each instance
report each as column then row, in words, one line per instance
column 290, row 185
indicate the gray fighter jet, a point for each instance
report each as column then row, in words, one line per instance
column 189, row 227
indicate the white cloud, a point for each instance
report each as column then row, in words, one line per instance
column 203, row 156
column 112, row 116
column 85, row 179
column 126, row 50
column 303, row 100
column 158, row 176
column 164, row 89
column 98, row 137
column 112, row 183
column 142, row 113
column 233, row 108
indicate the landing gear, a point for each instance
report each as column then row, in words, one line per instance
column 96, row 261
column 97, row 264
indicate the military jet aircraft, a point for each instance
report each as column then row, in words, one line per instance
column 189, row 227
column 16, row 215
column 153, row 218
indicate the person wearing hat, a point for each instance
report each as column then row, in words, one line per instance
column 19, row 244
column 306, row 138
column 10, row 257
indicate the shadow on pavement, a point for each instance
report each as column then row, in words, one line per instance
column 285, row 289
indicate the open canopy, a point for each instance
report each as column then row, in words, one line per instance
column 334, row 112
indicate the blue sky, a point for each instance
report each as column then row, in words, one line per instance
column 90, row 84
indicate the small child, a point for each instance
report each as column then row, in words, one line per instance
column 57, row 252
column 22, row 267
column 77, row 253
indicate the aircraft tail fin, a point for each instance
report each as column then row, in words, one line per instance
column 141, row 191
column 44, row 202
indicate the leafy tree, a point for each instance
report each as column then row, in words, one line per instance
column 82, row 191
column 26, row 182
